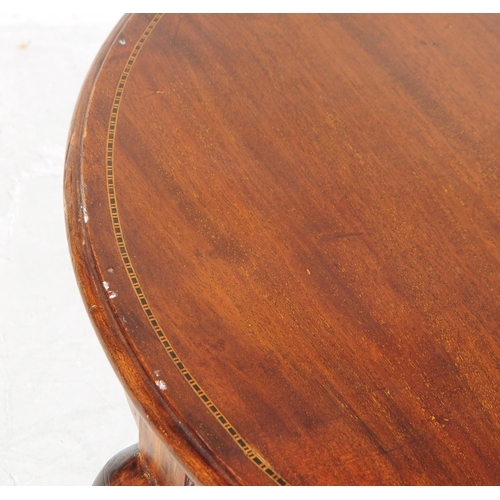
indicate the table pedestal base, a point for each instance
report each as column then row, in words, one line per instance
column 125, row 469
column 147, row 463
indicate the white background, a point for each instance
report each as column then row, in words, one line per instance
column 63, row 413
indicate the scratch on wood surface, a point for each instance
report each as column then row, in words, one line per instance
column 338, row 236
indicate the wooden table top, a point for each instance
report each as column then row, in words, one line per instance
column 286, row 230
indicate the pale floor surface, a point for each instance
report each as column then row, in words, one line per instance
column 63, row 413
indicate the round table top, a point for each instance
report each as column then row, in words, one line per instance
column 286, row 229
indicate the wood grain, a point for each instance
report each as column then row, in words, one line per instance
column 286, row 230
column 125, row 469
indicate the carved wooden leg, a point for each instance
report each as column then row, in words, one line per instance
column 125, row 469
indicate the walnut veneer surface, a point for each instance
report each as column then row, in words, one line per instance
column 286, row 229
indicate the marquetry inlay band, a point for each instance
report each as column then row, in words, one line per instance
column 247, row 449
